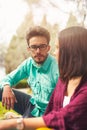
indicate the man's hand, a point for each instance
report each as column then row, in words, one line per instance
column 8, row 98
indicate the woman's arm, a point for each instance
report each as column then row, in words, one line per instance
column 34, row 122
column 29, row 123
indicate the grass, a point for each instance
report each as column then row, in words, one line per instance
column 3, row 111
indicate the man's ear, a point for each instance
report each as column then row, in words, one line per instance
column 48, row 47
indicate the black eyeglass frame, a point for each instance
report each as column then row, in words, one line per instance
column 35, row 47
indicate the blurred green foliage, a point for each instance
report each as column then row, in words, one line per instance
column 22, row 84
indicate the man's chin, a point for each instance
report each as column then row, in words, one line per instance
column 39, row 61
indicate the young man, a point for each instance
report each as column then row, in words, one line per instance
column 41, row 71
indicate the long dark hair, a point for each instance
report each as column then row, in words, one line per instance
column 73, row 53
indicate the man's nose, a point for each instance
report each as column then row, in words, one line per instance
column 38, row 49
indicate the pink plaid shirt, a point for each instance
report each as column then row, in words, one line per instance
column 71, row 117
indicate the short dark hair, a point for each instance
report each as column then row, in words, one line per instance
column 73, row 52
column 38, row 31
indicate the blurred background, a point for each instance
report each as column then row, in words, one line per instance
column 16, row 16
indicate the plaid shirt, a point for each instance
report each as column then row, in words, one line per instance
column 71, row 117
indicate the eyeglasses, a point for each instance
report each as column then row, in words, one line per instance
column 42, row 47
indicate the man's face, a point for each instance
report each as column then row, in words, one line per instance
column 39, row 48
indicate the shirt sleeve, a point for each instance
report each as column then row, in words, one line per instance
column 72, row 116
column 15, row 76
